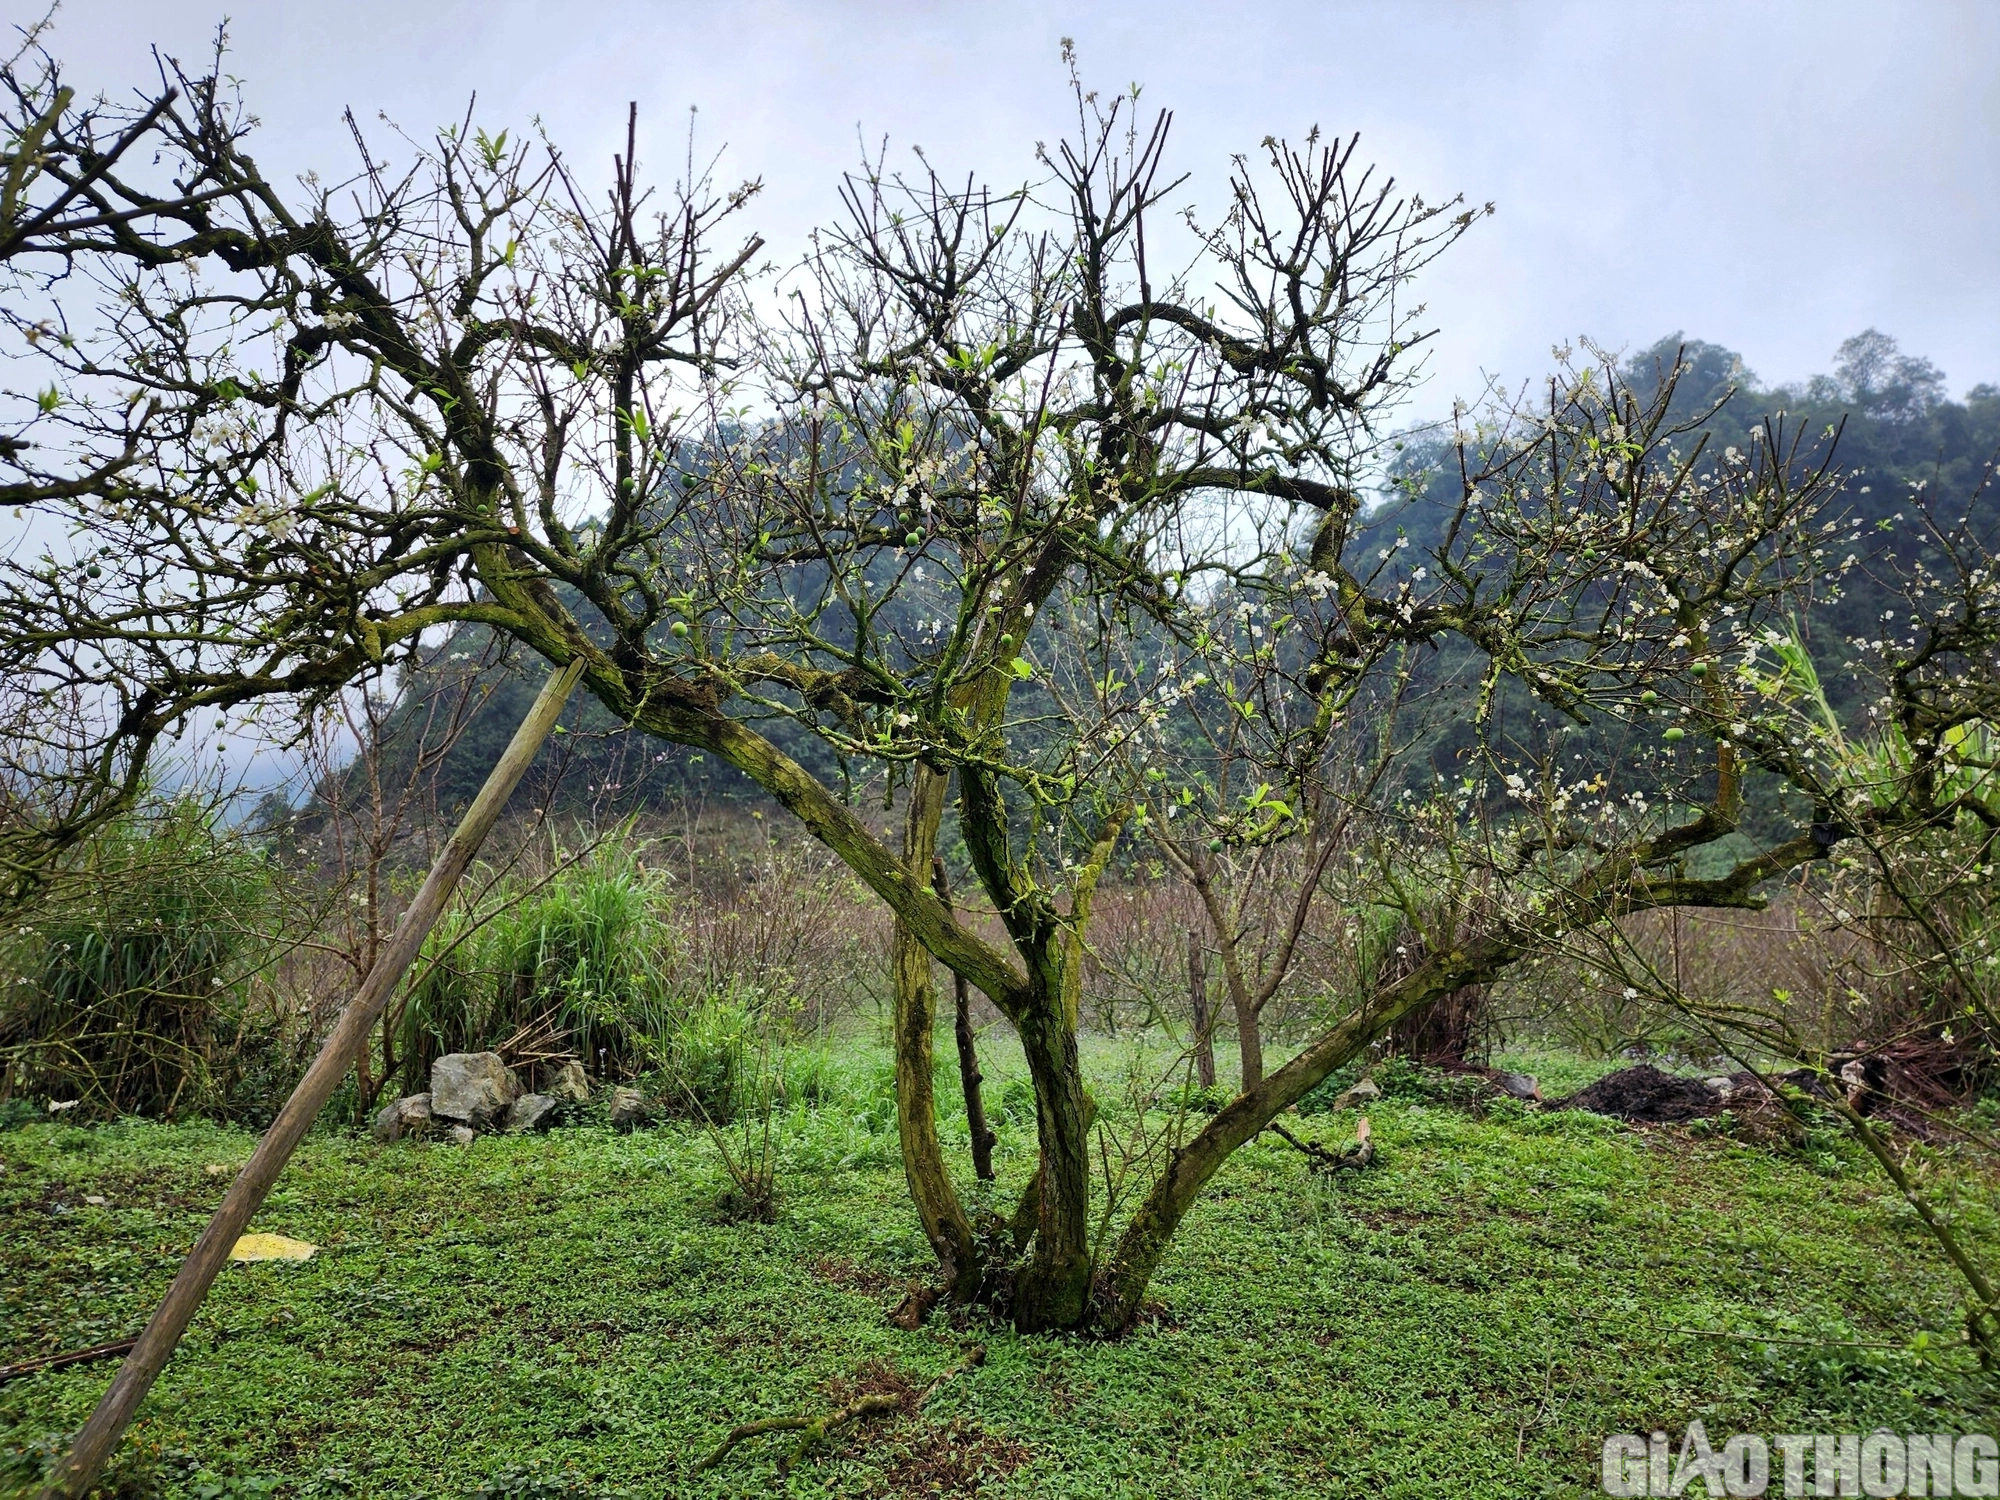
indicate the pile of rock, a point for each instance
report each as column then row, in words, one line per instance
column 475, row 1092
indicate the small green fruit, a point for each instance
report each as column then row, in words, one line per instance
column 1215, row 846
column 1649, row 697
column 914, row 539
column 679, row 629
column 1700, row 669
column 93, row 571
column 1675, row 735
column 1006, row 642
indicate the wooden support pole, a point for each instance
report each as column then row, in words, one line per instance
column 75, row 1475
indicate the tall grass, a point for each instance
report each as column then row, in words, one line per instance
column 130, row 984
column 558, row 966
column 598, row 958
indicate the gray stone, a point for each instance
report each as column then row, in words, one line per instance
column 629, row 1109
column 1362, row 1093
column 530, row 1112
column 570, row 1084
column 410, row 1115
column 473, row 1088
column 462, row 1135
column 1721, row 1083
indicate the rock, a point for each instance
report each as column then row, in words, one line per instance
column 1519, row 1085
column 1364, row 1092
column 1722, row 1084
column 570, row 1085
column 629, row 1109
column 410, row 1115
column 462, row 1135
column 473, row 1088
column 528, row 1113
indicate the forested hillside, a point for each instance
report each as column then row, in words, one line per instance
column 1881, row 418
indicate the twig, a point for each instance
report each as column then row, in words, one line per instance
column 72, row 1357
column 816, row 1430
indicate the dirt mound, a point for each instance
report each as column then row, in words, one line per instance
column 1645, row 1094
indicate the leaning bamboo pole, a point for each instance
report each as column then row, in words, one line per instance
column 99, row 1435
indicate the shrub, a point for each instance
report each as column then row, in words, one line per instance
column 133, row 978
column 705, row 1058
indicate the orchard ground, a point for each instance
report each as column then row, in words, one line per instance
column 571, row 1314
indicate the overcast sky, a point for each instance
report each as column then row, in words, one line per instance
column 1771, row 176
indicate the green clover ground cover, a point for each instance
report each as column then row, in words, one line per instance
column 568, row 1315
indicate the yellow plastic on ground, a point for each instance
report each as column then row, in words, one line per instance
column 270, row 1247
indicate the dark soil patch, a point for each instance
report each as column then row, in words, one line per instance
column 1646, row 1095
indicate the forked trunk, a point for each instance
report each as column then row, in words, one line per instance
column 1122, row 1282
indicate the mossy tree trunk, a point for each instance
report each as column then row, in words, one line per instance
column 936, row 1199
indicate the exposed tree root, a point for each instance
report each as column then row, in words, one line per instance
column 1352, row 1158
column 816, row 1430
column 916, row 1305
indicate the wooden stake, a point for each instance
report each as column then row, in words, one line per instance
column 99, row 1435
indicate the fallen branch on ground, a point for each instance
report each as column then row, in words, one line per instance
column 816, row 1430
column 1351, row 1158
column 73, row 1357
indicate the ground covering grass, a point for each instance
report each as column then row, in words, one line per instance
column 570, row 1315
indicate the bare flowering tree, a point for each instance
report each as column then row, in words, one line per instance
column 58, row 160
column 961, row 515
column 1259, row 782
